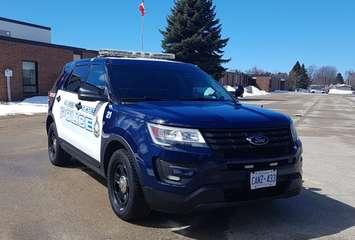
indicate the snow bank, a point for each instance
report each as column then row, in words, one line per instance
column 340, row 92
column 43, row 100
column 252, row 91
column 28, row 106
column 229, row 88
column 249, row 91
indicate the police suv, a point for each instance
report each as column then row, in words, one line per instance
column 167, row 136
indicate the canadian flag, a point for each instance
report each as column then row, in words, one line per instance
column 142, row 8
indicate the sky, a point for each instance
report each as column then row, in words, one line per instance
column 268, row 34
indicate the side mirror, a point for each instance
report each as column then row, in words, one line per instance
column 91, row 93
column 239, row 91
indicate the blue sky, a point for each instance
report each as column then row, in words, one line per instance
column 271, row 35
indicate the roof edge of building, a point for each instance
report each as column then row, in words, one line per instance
column 25, row 23
column 43, row 44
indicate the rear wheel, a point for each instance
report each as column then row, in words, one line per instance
column 125, row 193
column 57, row 156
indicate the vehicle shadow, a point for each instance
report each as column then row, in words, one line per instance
column 76, row 164
column 254, row 99
column 307, row 216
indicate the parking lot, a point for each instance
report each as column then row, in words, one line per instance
column 40, row 201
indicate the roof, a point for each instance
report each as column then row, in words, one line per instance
column 24, row 23
column 113, row 60
column 140, row 59
column 43, row 44
column 127, row 60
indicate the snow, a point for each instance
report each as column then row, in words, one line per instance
column 249, row 91
column 283, row 91
column 340, row 92
column 229, row 88
column 252, row 91
column 28, row 106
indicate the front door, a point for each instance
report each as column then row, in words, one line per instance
column 79, row 122
column 29, row 78
column 66, row 110
column 90, row 120
column 94, row 113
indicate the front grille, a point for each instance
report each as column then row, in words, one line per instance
column 232, row 143
column 260, row 165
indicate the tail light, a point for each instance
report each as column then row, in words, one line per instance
column 51, row 96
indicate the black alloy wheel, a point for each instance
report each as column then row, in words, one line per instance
column 124, row 190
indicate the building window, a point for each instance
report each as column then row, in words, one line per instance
column 29, row 78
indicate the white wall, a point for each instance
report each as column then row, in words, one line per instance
column 26, row 32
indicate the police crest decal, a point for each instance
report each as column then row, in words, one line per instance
column 97, row 128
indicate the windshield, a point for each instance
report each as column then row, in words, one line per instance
column 149, row 80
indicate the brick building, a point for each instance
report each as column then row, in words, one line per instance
column 279, row 81
column 235, row 78
column 267, row 82
column 26, row 49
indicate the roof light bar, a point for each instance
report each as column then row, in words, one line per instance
column 132, row 54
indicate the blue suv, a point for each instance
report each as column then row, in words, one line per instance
column 167, row 136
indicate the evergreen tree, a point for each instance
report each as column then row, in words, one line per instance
column 294, row 76
column 193, row 34
column 302, row 81
column 339, row 78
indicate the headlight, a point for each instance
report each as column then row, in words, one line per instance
column 294, row 132
column 167, row 136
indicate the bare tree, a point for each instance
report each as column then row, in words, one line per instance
column 311, row 70
column 350, row 78
column 257, row 72
column 325, row 75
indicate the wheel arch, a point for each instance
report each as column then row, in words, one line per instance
column 113, row 144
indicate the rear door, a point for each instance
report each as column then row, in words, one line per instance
column 58, row 84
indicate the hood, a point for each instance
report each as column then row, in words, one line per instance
column 207, row 114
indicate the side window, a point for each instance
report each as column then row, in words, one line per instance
column 79, row 74
column 60, row 80
column 97, row 76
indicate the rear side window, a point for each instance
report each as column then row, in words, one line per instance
column 59, row 82
column 79, row 74
column 97, row 76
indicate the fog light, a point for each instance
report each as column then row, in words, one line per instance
column 170, row 172
column 174, row 178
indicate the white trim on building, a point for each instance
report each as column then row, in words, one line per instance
column 23, row 30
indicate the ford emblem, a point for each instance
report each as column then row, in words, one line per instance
column 258, row 140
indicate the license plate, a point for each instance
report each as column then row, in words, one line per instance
column 263, row 179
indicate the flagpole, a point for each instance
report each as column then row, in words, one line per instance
column 142, row 10
column 142, row 33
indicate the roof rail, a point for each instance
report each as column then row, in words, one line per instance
column 133, row 54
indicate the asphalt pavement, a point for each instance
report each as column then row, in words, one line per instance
column 39, row 201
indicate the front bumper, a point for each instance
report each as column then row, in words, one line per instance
column 217, row 184
column 222, row 195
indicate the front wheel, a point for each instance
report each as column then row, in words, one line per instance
column 125, row 193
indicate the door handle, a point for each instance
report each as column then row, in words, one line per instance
column 58, row 99
column 78, row 106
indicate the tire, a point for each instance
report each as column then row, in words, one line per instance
column 57, row 156
column 125, row 193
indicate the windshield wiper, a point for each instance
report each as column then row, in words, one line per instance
column 142, row 99
column 203, row 99
column 147, row 99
